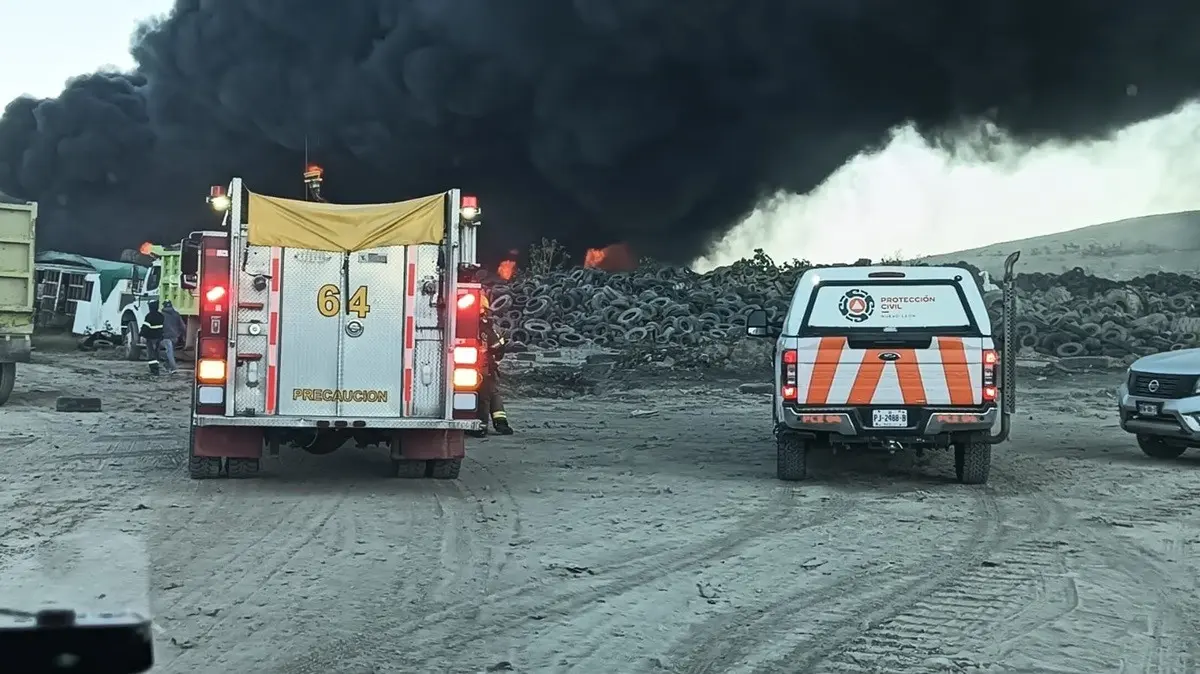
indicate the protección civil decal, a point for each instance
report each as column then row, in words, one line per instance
column 857, row 305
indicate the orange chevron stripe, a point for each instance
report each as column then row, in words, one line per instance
column 829, row 354
column 862, row 392
column 958, row 373
column 908, row 372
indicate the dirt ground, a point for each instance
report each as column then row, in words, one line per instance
column 639, row 529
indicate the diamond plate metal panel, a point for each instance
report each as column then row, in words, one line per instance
column 309, row 343
column 372, row 320
column 250, row 376
column 429, row 357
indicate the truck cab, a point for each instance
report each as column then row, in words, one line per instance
column 890, row 358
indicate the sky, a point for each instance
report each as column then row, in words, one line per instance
column 57, row 39
column 910, row 199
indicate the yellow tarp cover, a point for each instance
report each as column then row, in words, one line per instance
column 290, row 223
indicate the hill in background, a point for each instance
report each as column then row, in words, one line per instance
column 1118, row 250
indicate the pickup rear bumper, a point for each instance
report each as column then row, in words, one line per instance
column 924, row 422
column 381, row 424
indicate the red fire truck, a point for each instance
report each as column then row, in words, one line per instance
column 322, row 324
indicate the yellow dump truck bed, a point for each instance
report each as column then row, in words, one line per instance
column 17, row 277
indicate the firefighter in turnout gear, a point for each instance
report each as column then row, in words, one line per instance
column 490, row 404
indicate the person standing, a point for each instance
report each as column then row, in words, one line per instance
column 152, row 332
column 174, row 329
column 491, row 405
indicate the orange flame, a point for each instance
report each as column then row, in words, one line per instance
column 506, row 269
column 617, row 257
column 146, row 248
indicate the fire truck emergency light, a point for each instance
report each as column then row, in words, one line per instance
column 218, row 199
column 470, row 207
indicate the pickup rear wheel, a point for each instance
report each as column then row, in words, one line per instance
column 444, row 469
column 1158, row 448
column 973, row 462
column 791, row 457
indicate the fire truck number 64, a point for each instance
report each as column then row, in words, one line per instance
column 329, row 301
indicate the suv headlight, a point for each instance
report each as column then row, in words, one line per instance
column 1197, row 387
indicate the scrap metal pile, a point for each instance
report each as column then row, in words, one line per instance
column 664, row 308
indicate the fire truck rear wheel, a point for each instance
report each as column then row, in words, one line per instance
column 972, row 462
column 791, row 457
column 409, row 470
column 242, row 468
column 444, row 469
column 204, row 467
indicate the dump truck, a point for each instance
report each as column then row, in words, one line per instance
column 172, row 277
column 18, row 224
column 322, row 324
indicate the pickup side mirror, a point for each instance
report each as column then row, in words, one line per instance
column 756, row 324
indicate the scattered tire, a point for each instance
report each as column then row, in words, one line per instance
column 240, row 469
column 1157, row 448
column 791, row 457
column 973, row 462
column 76, row 404
column 409, row 470
column 8, row 379
column 443, row 469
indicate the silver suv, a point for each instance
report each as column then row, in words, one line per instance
column 1160, row 402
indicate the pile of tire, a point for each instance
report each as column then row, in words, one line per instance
column 657, row 307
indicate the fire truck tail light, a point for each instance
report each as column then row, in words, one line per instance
column 210, row 370
column 466, row 300
column 466, row 378
column 215, row 294
column 466, row 355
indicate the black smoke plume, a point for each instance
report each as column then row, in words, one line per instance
column 657, row 122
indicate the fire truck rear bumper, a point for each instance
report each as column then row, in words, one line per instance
column 397, row 424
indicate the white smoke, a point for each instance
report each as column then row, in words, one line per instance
column 913, row 199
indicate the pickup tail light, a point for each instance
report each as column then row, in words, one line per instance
column 789, row 364
column 991, row 360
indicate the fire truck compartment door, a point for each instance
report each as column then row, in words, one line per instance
column 341, row 345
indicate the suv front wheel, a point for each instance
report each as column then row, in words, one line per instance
column 1158, row 448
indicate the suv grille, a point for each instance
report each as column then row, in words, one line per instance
column 1170, row 386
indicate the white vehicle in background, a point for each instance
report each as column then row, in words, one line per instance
column 1159, row 402
column 321, row 324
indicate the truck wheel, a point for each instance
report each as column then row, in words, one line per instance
column 973, row 462
column 133, row 350
column 201, row 467
column 791, row 457
column 444, row 469
column 1153, row 447
column 410, row 470
column 241, row 468
column 8, row 379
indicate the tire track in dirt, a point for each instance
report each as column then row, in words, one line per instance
column 477, row 623
column 596, row 637
column 871, row 599
column 1171, row 645
column 240, row 573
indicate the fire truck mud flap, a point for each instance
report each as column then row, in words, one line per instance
column 425, row 445
column 235, row 442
